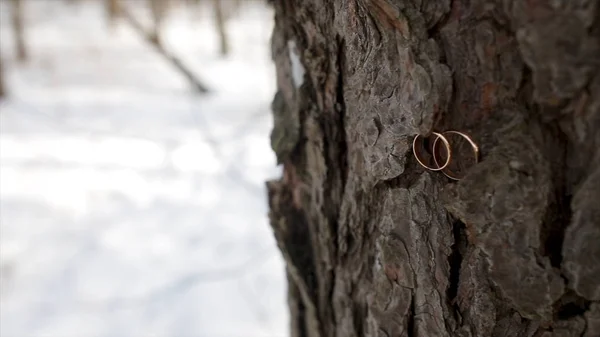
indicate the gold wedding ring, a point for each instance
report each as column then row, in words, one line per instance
column 445, row 169
column 446, row 144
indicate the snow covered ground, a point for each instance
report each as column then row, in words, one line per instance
column 129, row 206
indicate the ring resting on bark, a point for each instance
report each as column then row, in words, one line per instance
column 434, row 149
column 446, row 143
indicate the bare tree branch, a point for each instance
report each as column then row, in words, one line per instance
column 176, row 62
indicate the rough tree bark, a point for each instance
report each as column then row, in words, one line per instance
column 376, row 246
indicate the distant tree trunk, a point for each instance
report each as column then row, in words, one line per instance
column 113, row 11
column 158, row 9
column 194, row 7
column 221, row 30
column 377, row 246
column 192, row 2
column 2, row 80
column 235, row 7
column 18, row 29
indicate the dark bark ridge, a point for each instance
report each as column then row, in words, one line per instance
column 374, row 245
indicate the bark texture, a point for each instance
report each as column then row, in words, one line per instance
column 375, row 245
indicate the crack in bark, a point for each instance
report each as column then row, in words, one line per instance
column 573, row 309
column 410, row 324
column 552, row 234
column 358, row 318
column 342, row 155
column 434, row 31
column 455, row 260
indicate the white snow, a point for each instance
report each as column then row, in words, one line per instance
column 130, row 206
column 297, row 67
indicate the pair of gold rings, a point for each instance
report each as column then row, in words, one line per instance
column 447, row 168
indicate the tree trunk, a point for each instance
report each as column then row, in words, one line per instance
column 18, row 29
column 220, row 25
column 113, row 12
column 158, row 9
column 377, row 246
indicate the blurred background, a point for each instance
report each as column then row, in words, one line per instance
column 134, row 146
